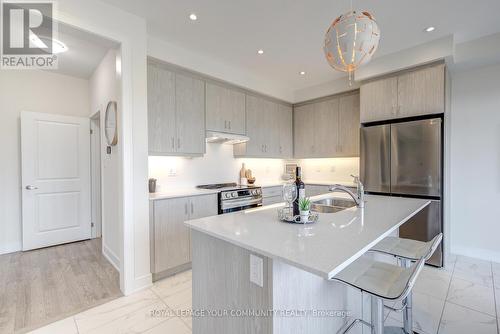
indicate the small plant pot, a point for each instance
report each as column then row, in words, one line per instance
column 304, row 215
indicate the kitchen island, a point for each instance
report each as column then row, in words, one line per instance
column 255, row 274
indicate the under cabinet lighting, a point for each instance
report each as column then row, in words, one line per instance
column 193, row 17
column 430, row 29
column 260, row 52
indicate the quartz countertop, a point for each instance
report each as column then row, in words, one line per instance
column 323, row 248
column 193, row 191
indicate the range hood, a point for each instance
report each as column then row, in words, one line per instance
column 225, row 138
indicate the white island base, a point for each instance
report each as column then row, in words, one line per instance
column 221, row 282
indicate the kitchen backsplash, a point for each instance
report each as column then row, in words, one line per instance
column 218, row 166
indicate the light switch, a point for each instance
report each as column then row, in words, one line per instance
column 257, row 270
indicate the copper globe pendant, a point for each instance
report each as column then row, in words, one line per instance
column 351, row 41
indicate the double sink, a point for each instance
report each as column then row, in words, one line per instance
column 331, row 205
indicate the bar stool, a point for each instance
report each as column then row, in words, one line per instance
column 407, row 251
column 383, row 282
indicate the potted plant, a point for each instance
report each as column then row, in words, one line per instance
column 304, row 206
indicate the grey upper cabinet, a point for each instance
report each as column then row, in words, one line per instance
column 285, row 125
column 190, row 115
column 379, row 100
column 269, row 127
column 176, row 113
column 412, row 93
column 349, row 126
column 328, row 128
column 161, row 110
column 303, row 129
column 421, row 92
column 225, row 110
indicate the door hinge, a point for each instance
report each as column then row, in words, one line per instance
column 92, row 224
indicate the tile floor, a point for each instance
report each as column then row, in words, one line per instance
column 464, row 298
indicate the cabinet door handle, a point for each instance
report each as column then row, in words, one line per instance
column 192, row 208
column 173, row 143
column 186, row 209
column 229, row 125
column 178, row 143
column 225, row 124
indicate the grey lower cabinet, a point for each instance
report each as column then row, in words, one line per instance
column 225, row 109
column 170, row 239
column 272, row 195
column 269, row 127
column 328, row 128
column 176, row 112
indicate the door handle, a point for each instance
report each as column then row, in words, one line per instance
column 192, row 208
column 30, row 187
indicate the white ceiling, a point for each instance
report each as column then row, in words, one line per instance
column 291, row 31
column 85, row 51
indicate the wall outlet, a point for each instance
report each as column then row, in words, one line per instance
column 257, row 270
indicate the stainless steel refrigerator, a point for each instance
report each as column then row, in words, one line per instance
column 405, row 159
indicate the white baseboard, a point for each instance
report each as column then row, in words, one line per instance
column 111, row 257
column 140, row 283
column 478, row 253
column 10, row 247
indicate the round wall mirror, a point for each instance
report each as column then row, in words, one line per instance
column 111, row 123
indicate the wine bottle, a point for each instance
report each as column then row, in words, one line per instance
column 301, row 191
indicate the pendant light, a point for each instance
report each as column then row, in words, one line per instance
column 351, row 41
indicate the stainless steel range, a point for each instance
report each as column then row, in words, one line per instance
column 233, row 197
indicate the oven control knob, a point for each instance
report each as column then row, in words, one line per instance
column 234, row 194
column 227, row 195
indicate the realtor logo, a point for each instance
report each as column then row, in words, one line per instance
column 27, row 35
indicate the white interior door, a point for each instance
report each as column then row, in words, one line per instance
column 55, row 179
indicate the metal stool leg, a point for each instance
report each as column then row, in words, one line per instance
column 377, row 315
column 408, row 311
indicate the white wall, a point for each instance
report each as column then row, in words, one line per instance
column 219, row 166
column 475, row 163
column 104, row 87
column 38, row 91
column 130, row 32
column 329, row 170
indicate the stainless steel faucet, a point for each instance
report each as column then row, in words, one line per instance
column 359, row 198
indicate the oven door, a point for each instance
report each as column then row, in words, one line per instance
column 239, row 204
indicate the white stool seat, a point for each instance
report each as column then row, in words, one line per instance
column 380, row 279
column 407, row 248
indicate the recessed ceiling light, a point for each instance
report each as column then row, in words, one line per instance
column 430, row 29
column 260, row 52
column 302, row 73
column 193, row 17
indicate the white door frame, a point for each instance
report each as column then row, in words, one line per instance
column 130, row 32
column 96, row 172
